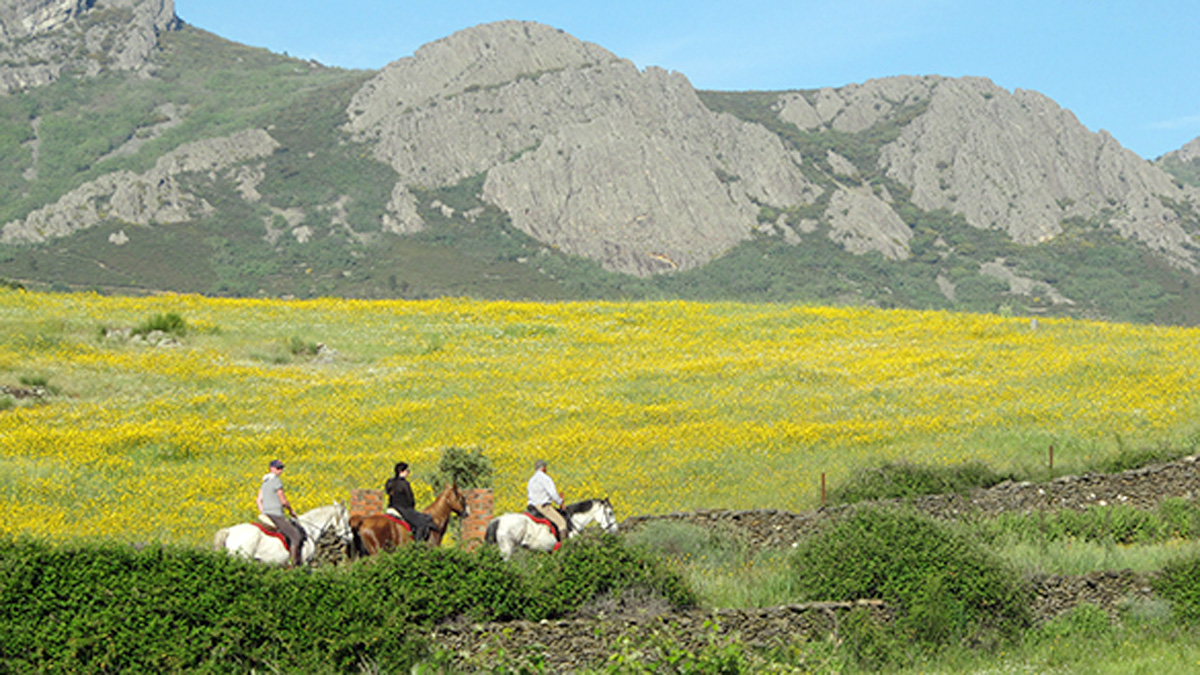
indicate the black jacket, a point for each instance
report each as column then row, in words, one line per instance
column 400, row 494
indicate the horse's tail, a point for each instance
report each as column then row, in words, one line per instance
column 492, row 528
column 219, row 538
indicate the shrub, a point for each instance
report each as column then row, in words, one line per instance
column 593, row 565
column 170, row 323
column 902, row 479
column 114, row 607
column 300, row 347
column 468, row 468
column 687, row 542
column 944, row 587
column 1180, row 585
column 34, row 380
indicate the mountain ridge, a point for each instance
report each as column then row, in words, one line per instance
column 566, row 151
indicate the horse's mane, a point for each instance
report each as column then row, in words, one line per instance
column 580, row 507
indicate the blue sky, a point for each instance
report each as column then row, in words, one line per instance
column 1131, row 68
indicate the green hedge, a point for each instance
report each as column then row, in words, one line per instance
column 116, row 607
column 945, row 588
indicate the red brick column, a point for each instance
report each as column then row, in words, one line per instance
column 479, row 514
column 367, row 502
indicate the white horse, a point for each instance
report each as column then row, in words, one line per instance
column 248, row 541
column 511, row 530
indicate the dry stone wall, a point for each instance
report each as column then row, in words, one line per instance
column 574, row 644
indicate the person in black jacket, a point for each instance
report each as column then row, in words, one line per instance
column 402, row 504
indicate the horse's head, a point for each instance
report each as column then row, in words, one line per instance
column 340, row 522
column 605, row 517
column 455, row 499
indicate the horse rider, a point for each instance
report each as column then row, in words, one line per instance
column 402, row 504
column 272, row 502
column 544, row 498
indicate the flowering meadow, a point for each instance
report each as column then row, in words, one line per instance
column 660, row 406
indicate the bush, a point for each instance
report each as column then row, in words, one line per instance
column 944, row 587
column 300, row 347
column 170, row 323
column 902, row 479
column 1180, row 585
column 469, row 469
column 591, row 566
column 107, row 606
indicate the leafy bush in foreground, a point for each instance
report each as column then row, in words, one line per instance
column 944, row 587
column 108, row 606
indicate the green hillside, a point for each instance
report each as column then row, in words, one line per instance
column 206, row 87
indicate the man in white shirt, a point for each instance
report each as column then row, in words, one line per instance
column 544, row 497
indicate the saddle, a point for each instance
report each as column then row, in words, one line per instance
column 536, row 516
column 271, row 531
column 268, row 527
column 403, row 522
column 398, row 519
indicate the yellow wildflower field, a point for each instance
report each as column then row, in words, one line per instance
column 660, row 406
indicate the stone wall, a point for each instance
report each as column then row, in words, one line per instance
column 572, row 644
column 1143, row 488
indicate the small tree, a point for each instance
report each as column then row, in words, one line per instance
column 467, row 468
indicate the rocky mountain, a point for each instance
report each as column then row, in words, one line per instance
column 582, row 150
column 43, row 39
column 920, row 191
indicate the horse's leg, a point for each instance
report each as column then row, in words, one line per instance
column 369, row 538
column 508, row 535
column 219, row 538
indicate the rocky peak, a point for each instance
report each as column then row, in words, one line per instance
column 584, row 151
column 23, row 18
column 1015, row 161
column 1188, row 153
column 36, row 48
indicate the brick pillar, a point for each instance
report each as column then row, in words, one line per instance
column 367, row 502
column 479, row 514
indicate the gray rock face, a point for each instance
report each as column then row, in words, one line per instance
column 1019, row 163
column 111, row 34
column 1016, row 162
column 590, row 156
column 23, row 18
column 148, row 198
column 584, row 152
column 861, row 221
column 1188, row 153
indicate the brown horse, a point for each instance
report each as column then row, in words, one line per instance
column 380, row 532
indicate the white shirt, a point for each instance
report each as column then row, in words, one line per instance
column 541, row 490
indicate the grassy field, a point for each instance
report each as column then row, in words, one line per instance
column 660, row 406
